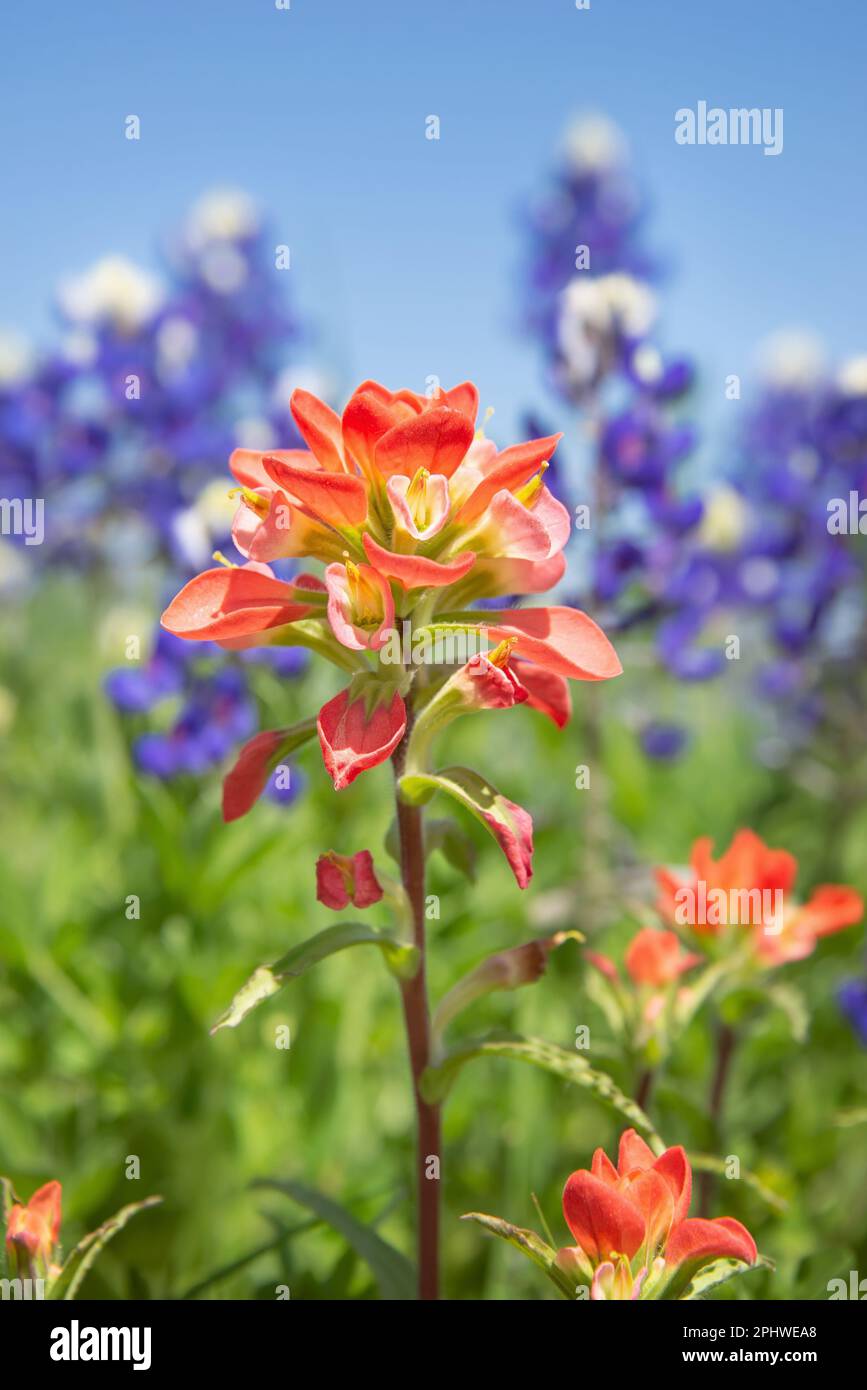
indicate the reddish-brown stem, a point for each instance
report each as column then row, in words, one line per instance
column 645, row 1086
column 417, row 1018
column 726, row 1039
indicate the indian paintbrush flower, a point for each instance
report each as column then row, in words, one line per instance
column 633, row 1237
column 32, row 1231
column 747, row 895
column 416, row 517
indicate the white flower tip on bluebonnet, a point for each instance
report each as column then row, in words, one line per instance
column 79, row 348
column 647, row 364
column 792, row 359
column 177, row 344
column 594, row 144
column 596, row 314
column 759, row 577
column 114, row 290
column 221, row 214
column 17, row 359
column 852, row 376
column 724, row 519
column 223, row 267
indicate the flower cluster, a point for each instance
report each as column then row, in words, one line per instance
column 633, row 1237
column 416, row 516
column 744, row 900
column 124, row 422
column 726, row 921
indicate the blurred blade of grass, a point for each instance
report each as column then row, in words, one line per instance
column 227, row 1270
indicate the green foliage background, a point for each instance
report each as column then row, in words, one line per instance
column 104, row 1044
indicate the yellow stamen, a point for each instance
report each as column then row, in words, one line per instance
column 258, row 504
column 530, row 491
column 364, row 597
column 221, row 560
column 417, row 498
column 500, row 654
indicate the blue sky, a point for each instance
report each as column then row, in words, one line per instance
column 406, row 251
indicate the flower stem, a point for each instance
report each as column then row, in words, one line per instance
column 645, row 1086
column 417, row 1019
column 726, row 1039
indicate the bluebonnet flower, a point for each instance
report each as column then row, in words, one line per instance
column 591, row 202
column 804, row 444
column 852, row 998
column 124, row 426
column 647, row 563
column 215, row 711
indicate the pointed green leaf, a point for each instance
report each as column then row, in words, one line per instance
column 437, row 1080
column 719, row 1272
column 529, row 1244
column 260, row 986
column 79, row 1260
column 393, row 1272
column 401, row 959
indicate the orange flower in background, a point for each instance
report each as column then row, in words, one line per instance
column 633, row 1236
column 751, row 886
column 653, row 957
column 32, row 1231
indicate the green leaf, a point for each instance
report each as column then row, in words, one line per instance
column 393, row 1272
column 79, row 1260
column 260, row 986
column 402, row 960
column 436, row 1081
column 703, row 986
column 709, row 1163
column 791, row 1002
column 500, row 817
column 719, row 1272
column 529, row 1244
